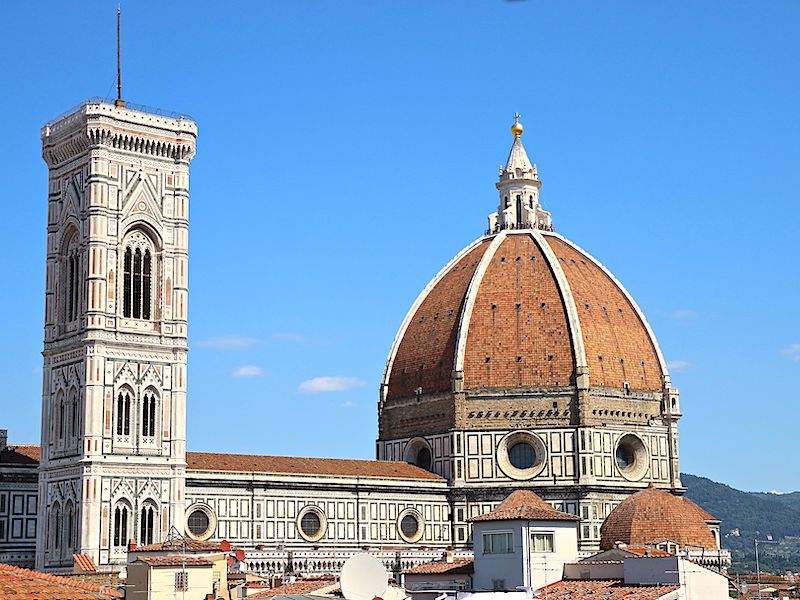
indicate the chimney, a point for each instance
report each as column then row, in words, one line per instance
column 131, row 545
column 3, row 439
column 449, row 557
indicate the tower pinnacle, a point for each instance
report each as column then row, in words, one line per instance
column 519, row 186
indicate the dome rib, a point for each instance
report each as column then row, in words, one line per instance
column 472, row 294
column 573, row 320
column 418, row 303
column 665, row 379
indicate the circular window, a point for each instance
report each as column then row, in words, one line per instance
column 311, row 523
column 200, row 522
column 631, row 457
column 423, row 459
column 521, row 455
column 410, row 525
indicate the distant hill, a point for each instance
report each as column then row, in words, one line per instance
column 756, row 515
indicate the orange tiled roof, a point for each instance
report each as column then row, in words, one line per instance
column 461, row 566
column 652, row 516
column 175, row 560
column 191, row 546
column 346, row 467
column 643, row 551
column 23, row 455
column 518, row 333
column 84, row 563
column 16, row 582
column 298, row 588
column 28, row 455
column 524, row 504
column 606, row 589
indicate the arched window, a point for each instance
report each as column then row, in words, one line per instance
column 124, row 412
column 70, row 280
column 147, row 524
column 62, row 415
column 121, row 525
column 69, row 522
column 520, row 221
column 137, row 280
column 149, row 414
column 56, row 526
column 55, row 417
column 73, row 414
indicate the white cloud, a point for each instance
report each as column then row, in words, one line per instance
column 319, row 385
column 792, row 351
column 289, row 336
column 229, row 342
column 678, row 366
column 348, row 404
column 248, row 371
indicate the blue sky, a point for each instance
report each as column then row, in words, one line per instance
column 348, row 150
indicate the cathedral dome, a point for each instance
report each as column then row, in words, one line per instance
column 655, row 516
column 523, row 309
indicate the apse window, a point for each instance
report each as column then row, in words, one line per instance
column 410, row 525
column 522, row 455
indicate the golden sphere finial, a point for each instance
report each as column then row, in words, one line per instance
column 517, row 128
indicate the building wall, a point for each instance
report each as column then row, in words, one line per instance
column 266, row 510
column 524, row 566
column 18, row 516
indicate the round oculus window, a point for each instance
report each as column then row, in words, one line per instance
column 409, row 526
column 198, row 522
column 521, row 455
column 631, row 457
column 423, row 459
column 624, row 457
column 311, row 524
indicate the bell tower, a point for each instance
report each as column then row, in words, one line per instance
column 115, row 335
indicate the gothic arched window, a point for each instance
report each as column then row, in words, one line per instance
column 56, row 526
column 121, row 524
column 73, row 412
column 149, row 414
column 55, row 416
column 147, row 524
column 62, row 416
column 137, row 276
column 70, row 280
column 69, row 522
column 124, row 412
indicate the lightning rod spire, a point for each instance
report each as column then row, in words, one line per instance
column 119, row 102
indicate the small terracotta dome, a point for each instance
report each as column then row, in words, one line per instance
column 653, row 516
column 527, row 310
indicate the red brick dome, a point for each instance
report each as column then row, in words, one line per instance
column 523, row 309
column 653, row 516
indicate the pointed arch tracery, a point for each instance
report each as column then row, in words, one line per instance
column 70, row 269
column 122, row 517
column 148, row 522
column 138, row 275
column 149, row 413
column 123, row 402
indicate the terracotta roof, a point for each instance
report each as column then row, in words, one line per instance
column 643, row 551
column 16, row 582
column 84, row 563
column 261, row 463
column 346, row 467
column 24, row 455
column 191, row 546
column 426, row 353
column 618, row 345
column 509, row 322
column 653, row 516
column 175, row 560
column 526, row 505
column 298, row 588
column 606, row 589
column 461, row 566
